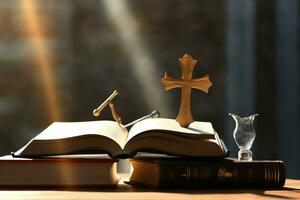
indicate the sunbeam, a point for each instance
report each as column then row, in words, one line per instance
column 43, row 60
column 143, row 65
column 44, row 67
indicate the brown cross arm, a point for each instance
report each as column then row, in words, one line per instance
column 202, row 83
column 170, row 82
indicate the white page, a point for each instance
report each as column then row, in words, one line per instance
column 110, row 129
column 171, row 125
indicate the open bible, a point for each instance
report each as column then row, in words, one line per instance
column 159, row 135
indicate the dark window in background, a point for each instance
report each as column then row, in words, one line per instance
column 60, row 59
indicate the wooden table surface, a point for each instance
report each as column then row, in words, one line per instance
column 290, row 191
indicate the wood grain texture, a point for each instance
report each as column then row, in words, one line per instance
column 186, row 83
column 290, row 191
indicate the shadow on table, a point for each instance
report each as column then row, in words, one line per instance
column 256, row 191
column 129, row 188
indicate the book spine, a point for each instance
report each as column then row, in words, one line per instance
column 218, row 175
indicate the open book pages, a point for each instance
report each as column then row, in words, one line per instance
column 166, row 136
column 106, row 128
column 203, row 130
column 157, row 135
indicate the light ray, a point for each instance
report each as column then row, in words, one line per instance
column 43, row 59
column 143, row 65
column 45, row 71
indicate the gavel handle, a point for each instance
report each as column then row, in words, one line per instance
column 115, row 113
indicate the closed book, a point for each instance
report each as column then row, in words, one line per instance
column 190, row 173
column 62, row 171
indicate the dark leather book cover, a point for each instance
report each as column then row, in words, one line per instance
column 171, row 172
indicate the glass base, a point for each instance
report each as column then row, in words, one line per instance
column 245, row 155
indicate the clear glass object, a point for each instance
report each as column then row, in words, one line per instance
column 244, row 135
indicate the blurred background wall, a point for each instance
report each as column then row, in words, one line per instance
column 60, row 58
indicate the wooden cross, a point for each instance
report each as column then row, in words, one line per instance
column 186, row 83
